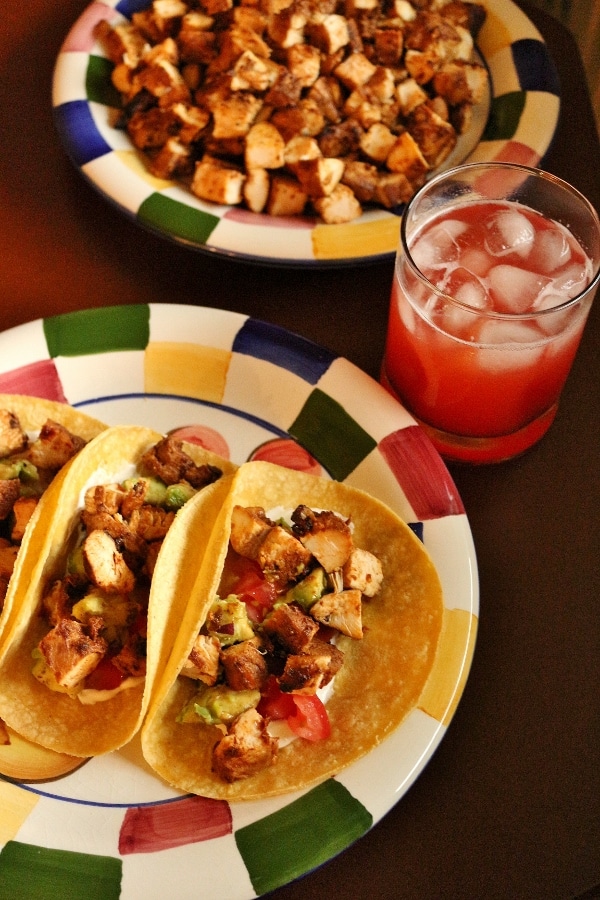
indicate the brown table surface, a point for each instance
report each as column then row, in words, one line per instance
column 509, row 806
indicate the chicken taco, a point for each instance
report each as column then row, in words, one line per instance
column 73, row 669
column 311, row 630
column 38, row 438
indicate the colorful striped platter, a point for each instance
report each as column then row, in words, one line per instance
column 515, row 123
column 247, row 389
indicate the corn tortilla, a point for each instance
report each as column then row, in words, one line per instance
column 382, row 676
column 47, row 717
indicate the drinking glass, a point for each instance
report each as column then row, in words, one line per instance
column 495, row 275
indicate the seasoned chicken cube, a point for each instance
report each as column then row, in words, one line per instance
column 327, row 94
column 70, row 653
column 150, row 522
column 203, row 662
column 341, row 610
column 246, row 748
column 388, row 46
column 299, row 148
column 105, row 565
column 121, row 42
column 249, row 527
column 213, row 7
column 286, row 28
column 234, row 117
column 393, row 190
column 319, row 176
column 8, row 558
column 435, row 137
column 168, row 461
column 326, row 535
column 197, row 43
column 410, row 95
column 264, row 147
column 405, row 156
column 290, row 627
column 103, row 498
column 355, row 71
column 150, row 129
column 57, row 602
column 460, row 82
column 361, row 178
column 12, row 437
column 130, row 662
column 286, row 197
column 244, row 666
column 304, row 63
column 174, row 158
column 313, row 668
column 22, row 513
column 330, row 34
column 363, row 572
column 282, row 557
column 256, row 189
column 253, row 73
column 54, row 447
column 341, row 140
column 305, row 119
column 377, row 142
column 364, row 111
column 162, row 78
column 10, row 490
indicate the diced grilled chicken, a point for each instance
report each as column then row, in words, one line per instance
column 264, row 147
column 286, row 197
column 130, row 661
column 244, row 666
column 151, row 523
column 326, row 535
column 105, row 565
column 70, row 653
column 246, row 749
column 363, row 572
column 54, row 447
column 405, row 156
column 203, row 661
column 342, row 611
column 319, row 177
column 249, row 526
column 312, row 669
column 57, row 602
column 377, row 142
column 362, row 178
column 459, row 82
column 338, row 207
column 23, row 510
column 217, row 182
column 435, row 137
column 169, row 462
column 282, row 557
column 103, row 498
column 12, row 437
column 256, row 189
column 10, row 491
column 290, row 627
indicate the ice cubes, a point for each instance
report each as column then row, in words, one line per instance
column 551, row 251
column 509, row 231
column 437, row 247
column 515, row 290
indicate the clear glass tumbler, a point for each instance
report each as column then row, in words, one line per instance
column 495, row 274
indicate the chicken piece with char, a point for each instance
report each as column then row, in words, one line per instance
column 246, row 749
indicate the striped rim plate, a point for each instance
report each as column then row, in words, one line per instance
column 109, row 827
column 516, row 123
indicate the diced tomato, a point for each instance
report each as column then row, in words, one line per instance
column 251, row 586
column 274, row 704
column 311, row 721
column 105, row 676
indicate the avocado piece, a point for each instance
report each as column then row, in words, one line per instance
column 18, row 468
column 178, row 494
column 228, row 621
column 156, row 489
column 309, row 590
column 75, row 564
column 115, row 610
column 217, row 705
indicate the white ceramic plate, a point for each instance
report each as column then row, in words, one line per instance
column 110, row 828
column 515, row 124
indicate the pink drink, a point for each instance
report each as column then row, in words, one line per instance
column 482, row 333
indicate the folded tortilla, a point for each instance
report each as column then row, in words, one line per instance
column 33, row 413
column 52, row 719
column 383, row 674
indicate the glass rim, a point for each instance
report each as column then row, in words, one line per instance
column 495, row 314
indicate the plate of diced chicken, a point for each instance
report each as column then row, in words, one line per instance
column 295, row 131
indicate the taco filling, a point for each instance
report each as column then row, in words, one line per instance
column 267, row 651
column 96, row 612
column 28, row 464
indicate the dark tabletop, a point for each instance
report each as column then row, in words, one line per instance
column 509, row 806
